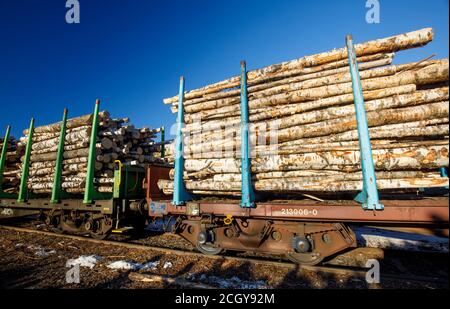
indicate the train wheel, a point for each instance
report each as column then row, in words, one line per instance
column 304, row 258
column 53, row 222
column 99, row 229
column 208, row 249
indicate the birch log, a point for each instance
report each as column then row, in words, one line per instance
column 335, row 69
column 292, row 109
column 304, row 138
column 71, row 123
column 387, row 45
column 416, row 98
column 433, row 73
column 115, row 139
column 295, row 184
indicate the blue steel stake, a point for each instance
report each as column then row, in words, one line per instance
column 248, row 195
column 163, row 140
column 368, row 197
column 444, row 173
column 180, row 194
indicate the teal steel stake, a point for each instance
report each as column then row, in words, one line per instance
column 26, row 165
column 368, row 197
column 56, row 190
column 444, row 173
column 3, row 156
column 180, row 194
column 89, row 187
column 163, row 148
column 248, row 195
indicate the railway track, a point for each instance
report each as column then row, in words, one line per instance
column 356, row 272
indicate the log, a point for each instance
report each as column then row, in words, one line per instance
column 287, row 185
column 106, row 143
column 416, row 98
column 83, row 152
column 292, row 109
column 401, row 130
column 317, row 133
column 262, row 151
column 107, row 157
column 40, row 137
column 70, row 138
column 334, row 69
column 71, row 123
column 374, row 118
column 414, row 158
column 78, row 145
column 432, row 73
column 327, row 127
column 296, row 185
column 329, row 81
column 312, row 175
column 386, row 45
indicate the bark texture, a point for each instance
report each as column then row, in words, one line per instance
column 303, row 129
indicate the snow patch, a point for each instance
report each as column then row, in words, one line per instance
column 124, row 265
column 39, row 251
column 397, row 240
column 167, row 265
column 150, row 265
column 128, row 265
column 84, row 260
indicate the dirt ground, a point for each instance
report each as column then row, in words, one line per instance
column 39, row 261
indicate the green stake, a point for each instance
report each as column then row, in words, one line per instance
column 26, row 165
column 3, row 156
column 89, row 187
column 56, row 190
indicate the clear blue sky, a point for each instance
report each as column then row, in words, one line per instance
column 131, row 53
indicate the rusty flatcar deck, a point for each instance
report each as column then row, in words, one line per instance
column 103, row 206
column 421, row 211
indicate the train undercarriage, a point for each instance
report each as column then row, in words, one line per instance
column 305, row 231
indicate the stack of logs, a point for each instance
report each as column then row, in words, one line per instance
column 303, row 128
column 117, row 139
column 11, row 174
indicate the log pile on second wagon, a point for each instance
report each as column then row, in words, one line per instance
column 303, row 126
column 11, row 174
column 117, row 139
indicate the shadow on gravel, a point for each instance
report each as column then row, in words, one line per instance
column 119, row 280
column 297, row 278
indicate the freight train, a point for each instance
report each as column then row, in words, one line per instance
column 307, row 231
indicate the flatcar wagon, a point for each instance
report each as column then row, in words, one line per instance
column 306, row 231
